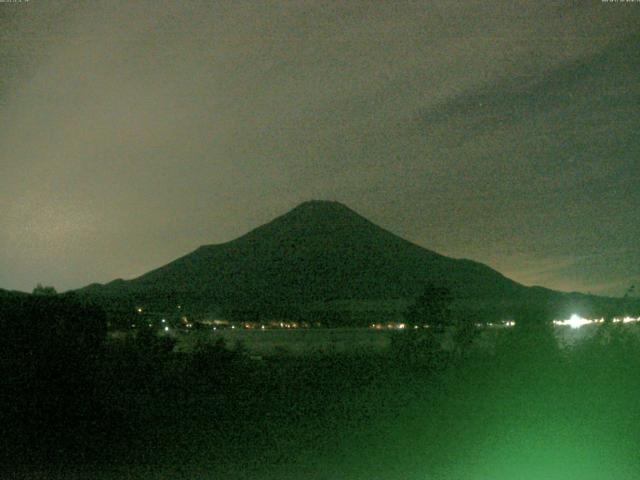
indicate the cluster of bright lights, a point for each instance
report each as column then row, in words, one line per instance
column 393, row 326
column 505, row 323
column 249, row 326
column 576, row 321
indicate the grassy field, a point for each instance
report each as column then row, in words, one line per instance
column 527, row 411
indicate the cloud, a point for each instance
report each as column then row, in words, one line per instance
column 146, row 129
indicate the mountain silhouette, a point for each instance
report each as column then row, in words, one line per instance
column 318, row 254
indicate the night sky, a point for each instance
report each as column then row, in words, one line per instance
column 505, row 132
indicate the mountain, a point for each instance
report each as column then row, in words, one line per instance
column 11, row 294
column 322, row 256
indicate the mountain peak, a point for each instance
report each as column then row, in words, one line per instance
column 314, row 203
column 317, row 216
column 323, row 207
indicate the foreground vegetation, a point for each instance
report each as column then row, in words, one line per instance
column 77, row 406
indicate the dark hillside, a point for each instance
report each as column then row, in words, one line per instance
column 319, row 252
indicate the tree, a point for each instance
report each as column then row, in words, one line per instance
column 45, row 291
column 630, row 291
column 432, row 307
